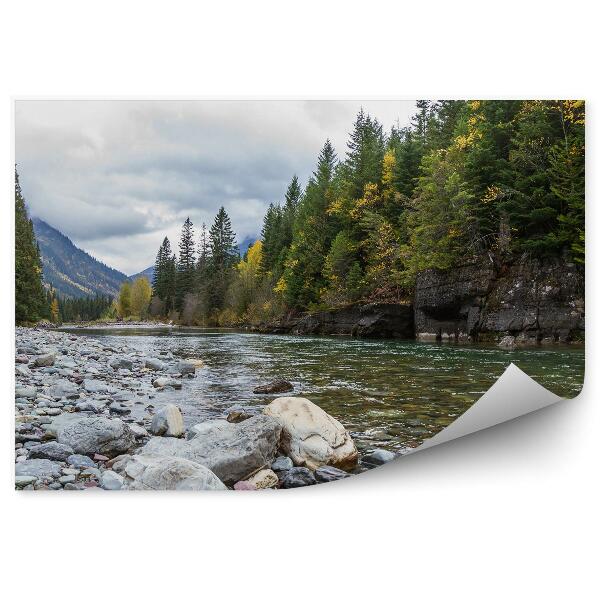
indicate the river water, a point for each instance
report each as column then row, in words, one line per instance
column 387, row 393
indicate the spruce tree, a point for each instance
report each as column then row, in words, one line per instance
column 224, row 255
column 30, row 299
column 186, row 265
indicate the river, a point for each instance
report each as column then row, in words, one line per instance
column 388, row 393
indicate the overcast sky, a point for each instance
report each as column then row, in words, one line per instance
column 117, row 176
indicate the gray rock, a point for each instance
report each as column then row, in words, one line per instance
column 97, row 435
column 44, row 360
column 42, row 468
column 121, row 362
column 51, row 451
column 168, row 421
column 298, row 477
column 185, row 367
column 275, row 387
column 138, row 430
column 118, row 409
column 377, row 457
column 25, row 391
column 326, row 473
column 161, row 382
column 111, row 481
column 231, row 451
column 508, row 341
column 283, row 463
column 64, row 389
column 93, row 386
column 154, row 364
column 66, row 479
column 80, row 461
column 22, row 480
column 153, row 472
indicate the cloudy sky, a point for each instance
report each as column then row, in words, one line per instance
column 117, row 176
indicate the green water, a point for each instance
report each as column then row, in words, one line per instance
column 388, row 393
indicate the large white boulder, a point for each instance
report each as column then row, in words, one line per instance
column 311, row 437
column 154, row 472
column 100, row 435
column 168, row 420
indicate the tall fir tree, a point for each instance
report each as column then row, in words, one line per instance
column 30, row 299
column 186, row 265
column 224, row 255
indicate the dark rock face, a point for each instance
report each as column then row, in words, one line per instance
column 532, row 300
column 372, row 320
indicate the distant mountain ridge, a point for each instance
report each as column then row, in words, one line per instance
column 72, row 272
column 148, row 273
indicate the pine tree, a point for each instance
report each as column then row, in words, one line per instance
column 223, row 257
column 30, row 299
column 186, row 265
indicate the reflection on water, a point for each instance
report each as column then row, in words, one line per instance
column 388, row 393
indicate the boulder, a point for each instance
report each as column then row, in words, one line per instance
column 93, row 385
column 153, row 472
column 101, row 435
column 298, row 477
column 44, row 360
column 282, row 463
column 231, row 451
column 22, row 481
column 51, row 451
column 42, row 468
column 154, row 364
column 168, row 421
column 311, row 437
column 80, row 461
column 279, row 386
column 138, row 430
column 508, row 341
column 237, row 416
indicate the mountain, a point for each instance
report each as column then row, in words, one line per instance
column 149, row 273
column 245, row 244
column 70, row 270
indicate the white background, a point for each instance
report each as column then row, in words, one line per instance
column 507, row 513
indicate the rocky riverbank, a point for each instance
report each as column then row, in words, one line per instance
column 75, row 429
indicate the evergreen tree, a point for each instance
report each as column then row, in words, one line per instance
column 223, row 257
column 30, row 299
column 186, row 265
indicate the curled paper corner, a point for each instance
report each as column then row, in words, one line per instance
column 514, row 394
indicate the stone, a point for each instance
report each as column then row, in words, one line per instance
column 100, row 457
column 244, row 486
column 154, row 472
column 168, row 421
column 22, row 480
column 66, row 479
column 95, row 386
column 121, row 362
column 97, row 435
column 237, row 416
column 154, row 364
column 161, row 382
column 231, row 451
column 264, row 479
column 44, row 360
column 282, row 463
column 64, row 389
column 111, row 481
column 185, row 367
column 42, row 468
column 275, row 387
column 298, row 477
column 25, row 391
column 118, row 409
column 311, row 437
column 138, row 430
column 80, row 461
column 377, row 457
column 326, row 474
column 51, row 451
column 206, row 427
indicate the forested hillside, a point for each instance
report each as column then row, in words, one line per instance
column 71, row 271
column 466, row 180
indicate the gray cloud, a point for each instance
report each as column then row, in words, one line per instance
column 117, row 176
